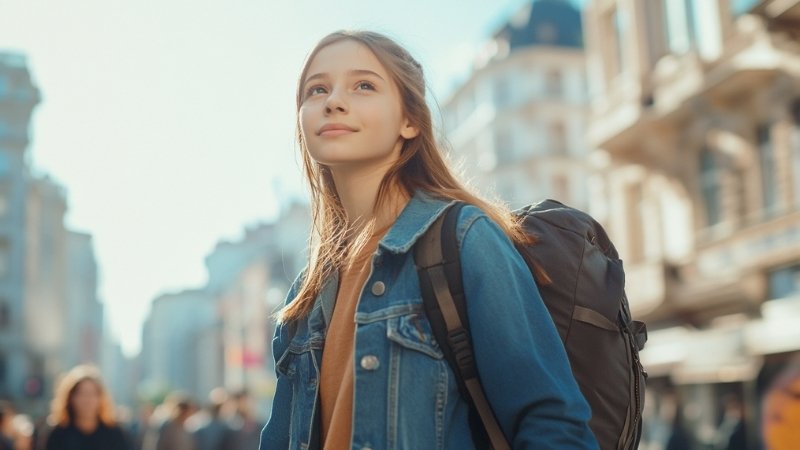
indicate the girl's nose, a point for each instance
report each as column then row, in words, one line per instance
column 334, row 102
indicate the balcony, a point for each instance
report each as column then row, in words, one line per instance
column 752, row 58
column 783, row 10
column 728, row 273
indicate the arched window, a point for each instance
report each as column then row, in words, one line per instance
column 710, row 186
column 766, row 160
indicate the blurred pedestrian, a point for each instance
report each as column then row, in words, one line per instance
column 23, row 432
column 172, row 433
column 83, row 414
column 211, row 430
column 6, row 426
column 781, row 410
column 246, row 428
column 730, row 434
column 679, row 437
column 41, row 429
column 139, row 427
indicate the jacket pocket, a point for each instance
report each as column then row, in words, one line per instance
column 413, row 331
column 287, row 364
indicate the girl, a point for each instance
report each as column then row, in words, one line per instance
column 83, row 413
column 356, row 361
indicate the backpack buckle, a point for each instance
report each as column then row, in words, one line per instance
column 462, row 350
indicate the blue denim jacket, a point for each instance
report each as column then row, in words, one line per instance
column 406, row 396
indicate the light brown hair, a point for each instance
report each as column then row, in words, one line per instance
column 61, row 412
column 421, row 166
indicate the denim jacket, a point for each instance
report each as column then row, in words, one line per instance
column 405, row 395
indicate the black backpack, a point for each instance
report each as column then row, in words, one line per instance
column 582, row 282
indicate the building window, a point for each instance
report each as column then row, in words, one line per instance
column 766, row 159
column 561, row 190
column 5, row 256
column 679, row 26
column 547, row 33
column 613, row 25
column 465, row 107
column 3, row 369
column 558, row 139
column 693, row 25
column 5, row 314
column 784, row 282
column 619, row 24
column 657, row 37
column 710, row 186
column 4, row 200
column 502, row 91
column 739, row 7
column 504, row 146
column 553, row 84
column 634, row 203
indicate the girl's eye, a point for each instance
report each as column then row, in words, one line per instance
column 314, row 90
column 365, row 85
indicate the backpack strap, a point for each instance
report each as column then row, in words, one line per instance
column 438, row 262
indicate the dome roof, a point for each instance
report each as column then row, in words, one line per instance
column 548, row 22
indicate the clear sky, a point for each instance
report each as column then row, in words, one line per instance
column 170, row 123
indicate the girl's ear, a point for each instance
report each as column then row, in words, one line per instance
column 408, row 131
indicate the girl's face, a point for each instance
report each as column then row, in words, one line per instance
column 85, row 399
column 351, row 114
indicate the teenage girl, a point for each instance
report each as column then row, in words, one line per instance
column 356, row 361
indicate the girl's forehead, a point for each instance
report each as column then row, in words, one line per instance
column 342, row 57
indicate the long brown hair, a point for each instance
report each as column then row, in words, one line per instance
column 421, row 166
column 61, row 412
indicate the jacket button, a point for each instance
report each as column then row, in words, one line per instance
column 378, row 288
column 370, row 362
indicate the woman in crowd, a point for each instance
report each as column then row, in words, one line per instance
column 83, row 414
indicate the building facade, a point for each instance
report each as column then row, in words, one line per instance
column 249, row 278
column 517, row 125
column 695, row 122
column 84, row 324
column 223, row 330
column 32, row 251
column 170, row 357
column 50, row 317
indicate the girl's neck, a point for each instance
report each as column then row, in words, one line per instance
column 87, row 424
column 358, row 193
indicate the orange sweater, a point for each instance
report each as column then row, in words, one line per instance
column 336, row 377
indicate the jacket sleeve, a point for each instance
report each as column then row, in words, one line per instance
column 521, row 361
column 275, row 434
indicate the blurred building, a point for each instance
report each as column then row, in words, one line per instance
column 518, row 123
column 18, row 97
column 696, row 121
column 171, row 359
column 220, row 334
column 50, row 317
column 45, row 300
column 84, row 315
column 121, row 373
column 249, row 278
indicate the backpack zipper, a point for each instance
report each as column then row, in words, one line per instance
column 635, row 372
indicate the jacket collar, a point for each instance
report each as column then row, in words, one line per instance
column 415, row 219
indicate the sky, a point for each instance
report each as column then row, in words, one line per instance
column 170, row 123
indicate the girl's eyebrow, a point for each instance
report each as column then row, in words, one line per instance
column 350, row 72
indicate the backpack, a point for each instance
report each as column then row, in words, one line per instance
column 581, row 280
